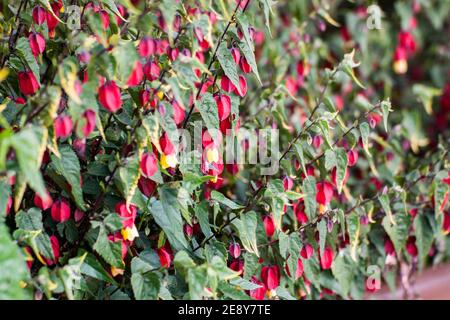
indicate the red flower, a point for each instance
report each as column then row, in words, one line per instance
column 352, row 156
column 270, row 275
column 242, row 87
column 43, row 203
column 164, row 257
column 152, row 70
column 146, row 186
column 244, row 65
column 269, row 226
column 39, row 15
column 446, row 225
column 60, row 211
column 226, row 84
column 109, row 96
column 237, row 265
column 259, row 293
column 37, row 43
column 307, row 251
column 407, row 42
column 126, row 212
column 28, row 84
column 235, row 54
column 147, row 47
column 389, row 248
column 8, row 205
column 136, row 75
column 166, row 145
column 223, row 103
column 178, row 112
column 148, row 164
column 104, row 17
column 288, row 183
column 326, row 259
column 299, row 210
column 235, row 250
column 324, row 192
column 87, row 122
column 63, row 126
column 411, row 247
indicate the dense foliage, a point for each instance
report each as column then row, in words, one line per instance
column 100, row 198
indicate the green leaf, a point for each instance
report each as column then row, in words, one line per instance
column 145, row 285
column 283, row 242
column 14, row 268
column 202, row 214
column 5, row 192
column 426, row 94
column 309, row 189
column 92, row 267
column 126, row 56
column 385, row 109
column 341, row 167
column 353, row 227
column 246, row 227
column 112, row 6
column 301, row 158
column 424, row 237
column 343, row 272
column 250, row 264
column 227, row 63
column 168, row 216
column 267, row 9
column 322, row 228
column 23, row 50
column 215, row 195
column 325, row 128
column 68, row 166
column 385, row 204
column 330, row 159
column 127, row 177
column 197, row 280
column 208, row 110
column 247, row 47
column 398, row 232
column 364, row 129
column 232, row 292
column 183, row 262
column 440, row 191
column 108, row 250
column 29, row 145
column 169, row 10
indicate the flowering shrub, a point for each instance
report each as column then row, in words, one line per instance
column 239, row 149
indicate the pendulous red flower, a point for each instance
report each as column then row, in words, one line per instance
column 28, row 84
column 109, row 96
column 60, row 211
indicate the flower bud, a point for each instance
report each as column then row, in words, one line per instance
column 147, row 47
column 324, row 192
column 43, row 203
column 269, row 226
column 109, row 96
column 223, row 103
column 28, row 84
column 352, row 156
column 60, row 211
column 136, row 75
column 87, row 123
column 63, row 126
column 235, row 250
column 326, row 258
column 242, row 87
column 307, row 251
column 37, row 43
column 152, row 70
column 39, row 15
column 148, row 164
column 270, row 275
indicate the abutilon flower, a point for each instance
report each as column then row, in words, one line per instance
column 28, row 84
column 223, row 103
column 147, row 47
column 407, row 42
column 63, row 126
column 374, row 119
column 39, row 15
column 298, row 271
column 56, row 251
column 148, row 164
column 43, row 203
column 235, row 250
column 148, row 98
column 389, row 248
column 226, row 84
column 259, row 293
column 52, row 21
column 123, row 12
column 400, row 64
column 178, row 112
column 324, row 193
column 303, row 68
column 235, row 54
column 8, row 205
column 164, row 257
column 37, row 43
column 152, row 70
column 270, row 275
column 333, row 176
column 78, row 215
column 446, row 224
column 269, row 226
column 86, row 124
column 326, row 258
column 146, row 186
column 60, row 211
column 244, row 65
column 307, row 251
column 104, row 17
column 237, row 265
column 212, row 162
column 288, row 183
column 242, row 87
column 299, row 211
column 109, row 96
column 188, row 230
column 317, row 141
column 173, row 53
column 411, row 247
column 127, row 212
column 352, row 156
column 136, row 75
